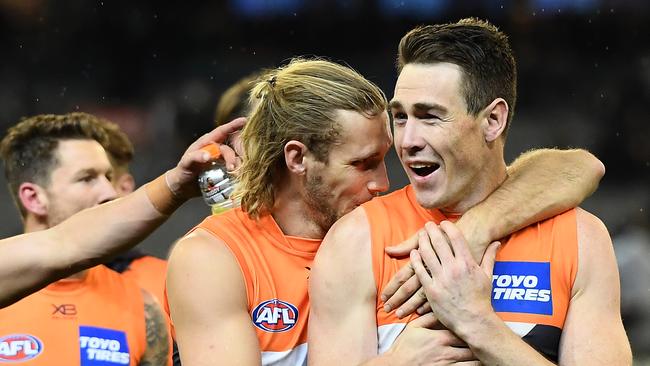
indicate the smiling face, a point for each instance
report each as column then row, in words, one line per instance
column 354, row 172
column 440, row 145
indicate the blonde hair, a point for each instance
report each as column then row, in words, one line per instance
column 297, row 102
column 234, row 102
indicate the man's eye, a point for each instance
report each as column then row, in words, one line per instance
column 430, row 116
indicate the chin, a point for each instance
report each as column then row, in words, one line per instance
column 428, row 200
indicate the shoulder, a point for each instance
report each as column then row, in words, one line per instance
column 196, row 245
column 590, row 227
column 345, row 254
column 351, row 228
column 596, row 260
column 201, row 252
column 201, row 266
column 594, row 242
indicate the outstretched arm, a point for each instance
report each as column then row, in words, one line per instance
column 30, row 261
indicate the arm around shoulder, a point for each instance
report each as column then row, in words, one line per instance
column 209, row 309
column 572, row 174
column 541, row 183
column 343, row 295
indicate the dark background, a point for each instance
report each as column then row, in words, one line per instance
column 158, row 68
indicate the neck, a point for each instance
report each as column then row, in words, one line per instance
column 34, row 223
column 486, row 181
column 293, row 217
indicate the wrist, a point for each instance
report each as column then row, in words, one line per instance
column 386, row 359
column 162, row 196
column 483, row 329
column 477, row 232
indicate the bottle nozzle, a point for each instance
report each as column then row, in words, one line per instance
column 213, row 149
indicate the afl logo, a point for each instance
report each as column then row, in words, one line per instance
column 275, row 316
column 19, row 347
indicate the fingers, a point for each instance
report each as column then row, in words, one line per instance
column 425, row 321
column 230, row 157
column 219, row 134
column 427, row 254
column 413, row 303
column 423, row 276
column 439, row 243
column 404, row 248
column 192, row 158
column 487, row 264
column 424, row 308
column 457, row 241
column 463, row 356
column 395, row 285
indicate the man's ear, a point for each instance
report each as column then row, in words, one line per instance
column 496, row 119
column 294, row 156
column 33, row 198
column 124, row 184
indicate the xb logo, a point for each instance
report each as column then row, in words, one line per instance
column 64, row 309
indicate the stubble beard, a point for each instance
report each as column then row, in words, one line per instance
column 319, row 203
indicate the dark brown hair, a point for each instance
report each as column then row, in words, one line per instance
column 28, row 149
column 118, row 146
column 479, row 48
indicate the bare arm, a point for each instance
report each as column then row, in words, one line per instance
column 207, row 297
column 596, row 295
column 158, row 339
column 351, row 330
column 541, row 184
column 343, row 311
column 30, row 261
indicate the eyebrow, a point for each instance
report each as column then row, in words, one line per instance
column 92, row 171
column 367, row 156
column 419, row 106
column 394, row 104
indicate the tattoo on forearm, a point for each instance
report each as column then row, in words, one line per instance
column 157, row 338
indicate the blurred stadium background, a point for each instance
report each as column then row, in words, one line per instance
column 157, row 69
